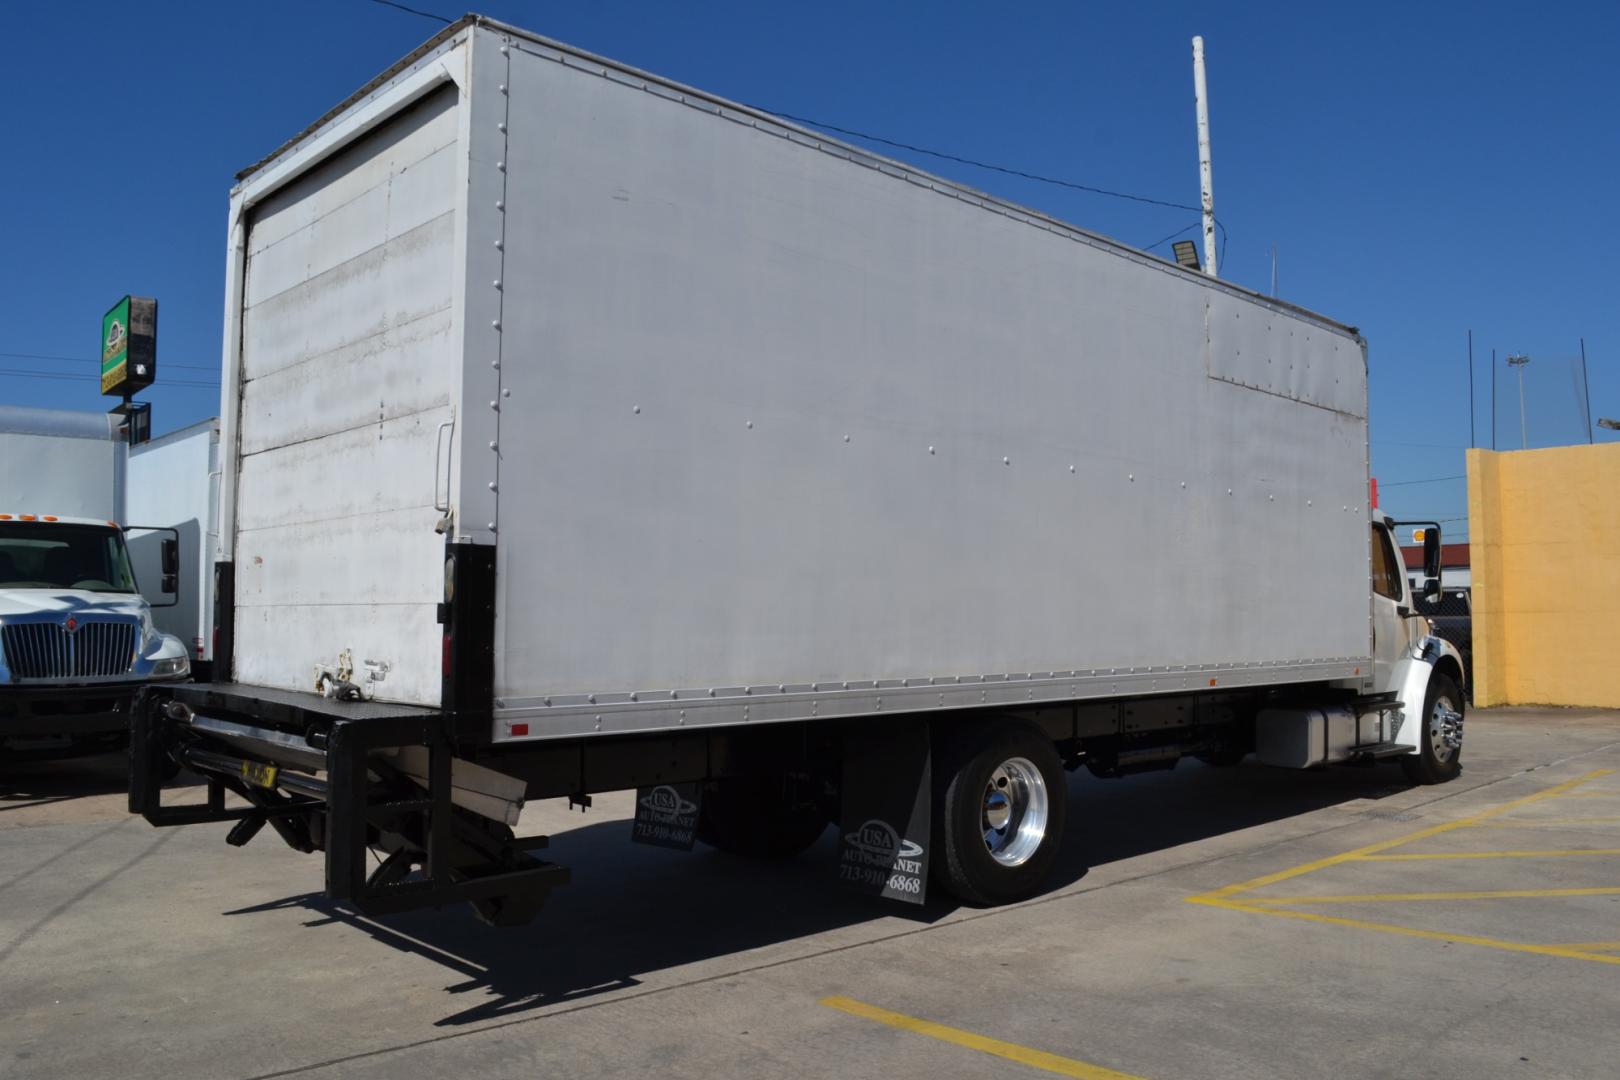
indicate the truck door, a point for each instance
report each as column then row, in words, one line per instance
column 1391, row 607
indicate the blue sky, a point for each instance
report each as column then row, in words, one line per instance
column 1422, row 169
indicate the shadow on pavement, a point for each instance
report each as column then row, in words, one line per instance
column 41, row 781
column 633, row 910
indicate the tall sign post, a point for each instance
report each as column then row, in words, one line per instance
column 129, row 361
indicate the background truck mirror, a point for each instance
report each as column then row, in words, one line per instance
column 1431, row 554
column 168, row 559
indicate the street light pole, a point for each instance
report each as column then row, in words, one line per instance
column 1519, row 362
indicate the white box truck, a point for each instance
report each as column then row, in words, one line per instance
column 77, row 637
column 584, row 431
column 173, row 480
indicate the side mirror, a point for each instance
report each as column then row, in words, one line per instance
column 171, row 562
column 1431, row 589
column 1431, row 554
column 171, row 583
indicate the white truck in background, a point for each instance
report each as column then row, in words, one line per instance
column 173, row 480
column 583, row 431
column 77, row 637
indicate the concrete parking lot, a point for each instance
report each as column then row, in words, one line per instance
column 1239, row 922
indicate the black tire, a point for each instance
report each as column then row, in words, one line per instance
column 760, row 817
column 1435, row 764
column 966, row 764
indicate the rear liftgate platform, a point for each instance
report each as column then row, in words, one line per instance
column 347, row 778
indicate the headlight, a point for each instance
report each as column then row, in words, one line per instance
column 173, row 668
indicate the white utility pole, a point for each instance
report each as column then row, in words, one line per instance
column 1206, row 182
column 1518, row 362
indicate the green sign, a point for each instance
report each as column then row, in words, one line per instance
column 114, row 344
column 129, row 346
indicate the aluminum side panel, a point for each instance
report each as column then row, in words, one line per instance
column 780, row 419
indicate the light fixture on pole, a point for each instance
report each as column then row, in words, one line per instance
column 1612, row 425
column 1518, row 361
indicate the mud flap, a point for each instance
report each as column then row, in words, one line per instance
column 667, row 815
column 887, row 804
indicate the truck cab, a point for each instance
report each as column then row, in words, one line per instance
column 1411, row 661
column 77, row 639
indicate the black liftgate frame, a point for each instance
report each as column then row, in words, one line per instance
column 349, row 813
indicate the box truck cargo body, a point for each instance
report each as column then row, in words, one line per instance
column 567, row 406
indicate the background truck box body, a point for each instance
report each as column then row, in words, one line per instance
column 173, row 481
column 55, row 461
column 762, row 426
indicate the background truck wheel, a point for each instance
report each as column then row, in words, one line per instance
column 772, row 817
column 1437, row 760
column 999, row 809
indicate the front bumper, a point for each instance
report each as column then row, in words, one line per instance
column 66, row 710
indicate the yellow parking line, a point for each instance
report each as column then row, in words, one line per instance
column 1418, row 857
column 1392, row 898
column 1384, row 845
column 1549, row 823
column 1036, row 1059
column 1595, row 946
column 1408, row 931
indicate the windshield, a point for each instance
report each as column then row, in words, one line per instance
column 52, row 556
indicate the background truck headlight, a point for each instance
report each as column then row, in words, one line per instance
column 173, row 667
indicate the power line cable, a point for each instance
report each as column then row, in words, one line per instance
column 68, row 376
column 1024, row 174
column 414, row 11
column 92, row 360
column 1431, row 480
column 1172, row 236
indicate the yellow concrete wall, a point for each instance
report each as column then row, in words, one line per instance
column 1544, row 535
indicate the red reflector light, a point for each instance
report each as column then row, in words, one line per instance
column 444, row 664
column 520, row 729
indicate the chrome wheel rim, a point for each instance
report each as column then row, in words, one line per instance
column 1014, row 811
column 1445, row 728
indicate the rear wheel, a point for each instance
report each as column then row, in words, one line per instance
column 999, row 810
column 771, row 817
column 1439, row 756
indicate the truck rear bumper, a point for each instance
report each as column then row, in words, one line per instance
column 65, row 710
column 326, row 776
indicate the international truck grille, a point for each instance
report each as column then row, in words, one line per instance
column 51, row 651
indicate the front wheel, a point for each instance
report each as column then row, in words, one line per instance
column 998, row 813
column 1439, row 756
